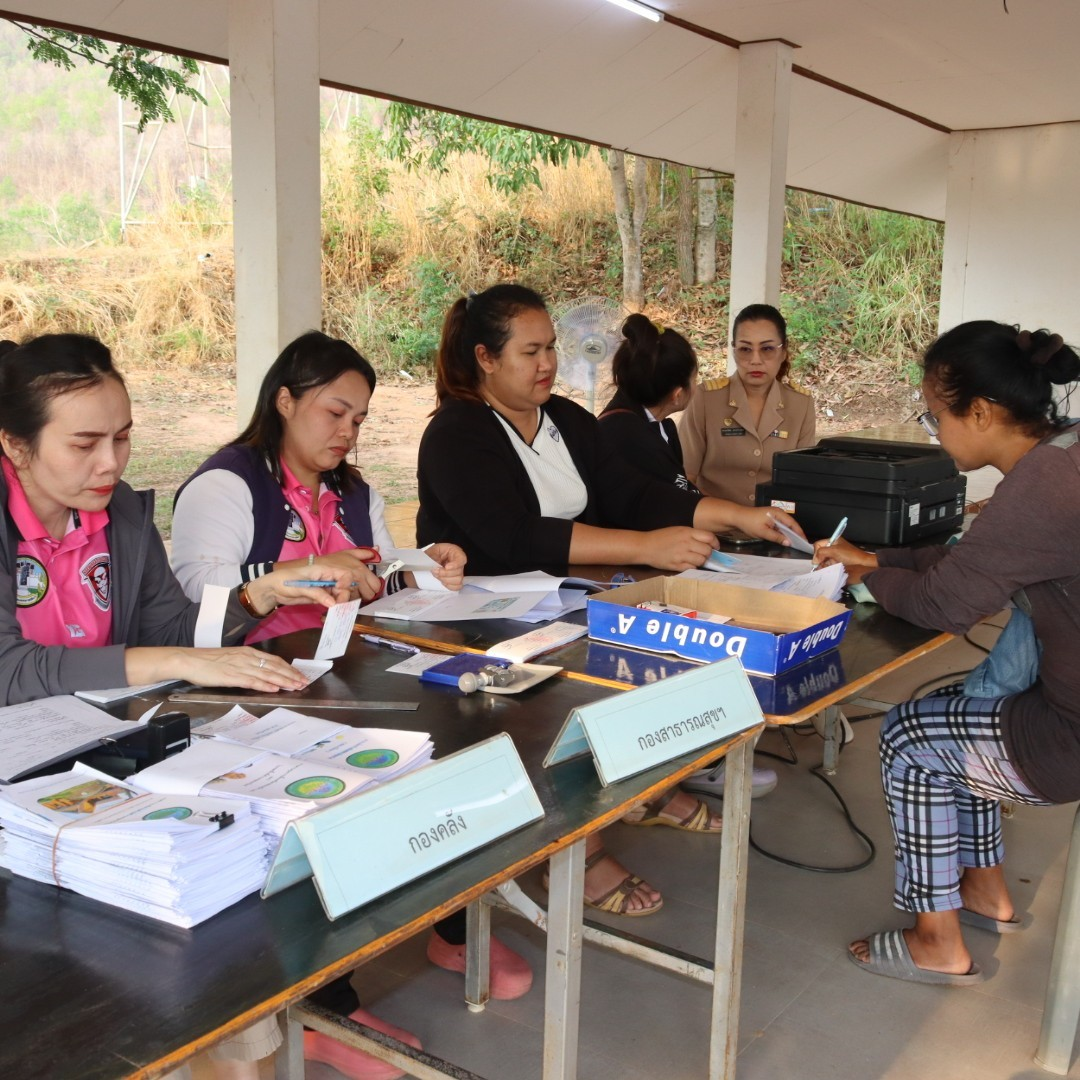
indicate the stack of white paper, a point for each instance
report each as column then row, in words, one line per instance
column 532, row 597
column 795, row 576
column 307, row 763
column 176, row 858
column 278, row 788
column 378, row 753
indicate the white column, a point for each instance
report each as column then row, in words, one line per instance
column 761, row 146
column 274, row 93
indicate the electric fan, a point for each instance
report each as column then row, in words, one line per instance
column 587, row 333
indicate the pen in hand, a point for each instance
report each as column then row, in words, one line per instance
column 837, row 533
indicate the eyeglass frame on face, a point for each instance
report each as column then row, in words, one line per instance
column 929, row 421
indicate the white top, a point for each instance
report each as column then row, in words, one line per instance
column 214, row 525
column 558, row 485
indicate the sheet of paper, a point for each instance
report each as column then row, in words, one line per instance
column 533, row 643
column 415, row 664
column 448, row 607
column 797, row 542
column 105, row 697
column 337, row 630
column 313, row 669
column 38, row 733
column 532, row 581
column 827, row 582
column 282, row 730
column 410, row 558
column 189, row 771
column 796, row 576
column 211, row 620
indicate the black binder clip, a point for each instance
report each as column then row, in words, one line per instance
column 224, row 820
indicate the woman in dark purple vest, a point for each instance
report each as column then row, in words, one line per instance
column 284, row 491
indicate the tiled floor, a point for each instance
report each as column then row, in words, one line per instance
column 807, row 1013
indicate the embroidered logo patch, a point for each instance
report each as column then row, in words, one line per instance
column 31, row 581
column 97, row 574
column 295, row 530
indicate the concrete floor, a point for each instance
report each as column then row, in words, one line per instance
column 807, row 1013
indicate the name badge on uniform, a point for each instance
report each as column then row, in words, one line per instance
column 733, row 431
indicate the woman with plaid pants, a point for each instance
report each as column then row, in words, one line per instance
column 949, row 759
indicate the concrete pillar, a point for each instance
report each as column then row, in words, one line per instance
column 274, row 93
column 761, row 146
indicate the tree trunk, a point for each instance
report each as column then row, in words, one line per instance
column 684, row 227
column 706, row 230
column 630, row 216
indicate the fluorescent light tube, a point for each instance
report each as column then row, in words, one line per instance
column 638, row 9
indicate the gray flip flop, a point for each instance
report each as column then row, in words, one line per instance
column 995, row 926
column 889, row 956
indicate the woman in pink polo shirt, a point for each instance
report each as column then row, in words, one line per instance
column 284, row 491
column 87, row 600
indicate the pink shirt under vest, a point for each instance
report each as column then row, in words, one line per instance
column 307, row 533
column 63, row 588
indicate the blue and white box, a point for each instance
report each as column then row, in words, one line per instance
column 769, row 632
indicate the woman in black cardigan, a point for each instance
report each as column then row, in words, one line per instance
column 519, row 478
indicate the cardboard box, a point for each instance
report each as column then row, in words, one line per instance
column 777, row 694
column 770, row 632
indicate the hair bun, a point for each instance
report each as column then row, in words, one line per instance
column 1050, row 353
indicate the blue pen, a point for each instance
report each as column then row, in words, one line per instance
column 306, row 583
column 838, row 531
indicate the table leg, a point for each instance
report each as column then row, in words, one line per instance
column 477, row 955
column 562, row 990
column 289, row 1059
column 832, row 735
column 731, row 913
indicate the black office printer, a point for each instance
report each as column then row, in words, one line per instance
column 892, row 493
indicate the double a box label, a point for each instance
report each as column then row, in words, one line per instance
column 768, row 632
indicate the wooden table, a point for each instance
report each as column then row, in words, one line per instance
column 874, row 645
column 94, row 992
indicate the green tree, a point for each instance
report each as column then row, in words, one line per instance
column 426, row 138
column 141, row 76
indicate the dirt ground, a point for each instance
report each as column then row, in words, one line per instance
column 181, row 418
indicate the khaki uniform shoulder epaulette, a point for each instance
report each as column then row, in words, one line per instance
column 716, row 384
column 799, row 388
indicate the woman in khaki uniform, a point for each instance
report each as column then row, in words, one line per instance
column 734, row 424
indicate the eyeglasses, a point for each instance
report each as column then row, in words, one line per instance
column 930, row 423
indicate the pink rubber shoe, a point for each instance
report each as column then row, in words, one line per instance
column 511, row 975
column 355, row 1064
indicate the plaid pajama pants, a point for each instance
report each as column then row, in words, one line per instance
column 944, row 770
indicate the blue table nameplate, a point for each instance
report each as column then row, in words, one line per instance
column 634, row 730
column 381, row 838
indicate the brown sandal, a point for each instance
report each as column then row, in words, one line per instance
column 616, row 900
column 654, row 813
